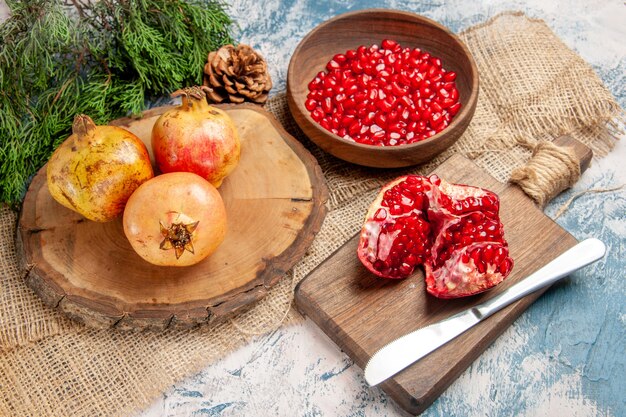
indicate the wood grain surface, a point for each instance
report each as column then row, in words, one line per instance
column 274, row 202
column 361, row 312
column 368, row 27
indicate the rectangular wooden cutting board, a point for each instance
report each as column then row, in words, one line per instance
column 361, row 312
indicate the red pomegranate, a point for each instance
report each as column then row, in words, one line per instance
column 196, row 137
column 453, row 230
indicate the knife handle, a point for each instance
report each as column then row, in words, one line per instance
column 584, row 253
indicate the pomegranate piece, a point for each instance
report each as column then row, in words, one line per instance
column 372, row 94
column 453, row 230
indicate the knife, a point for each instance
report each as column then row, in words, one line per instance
column 407, row 349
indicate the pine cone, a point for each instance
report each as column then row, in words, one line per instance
column 237, row 74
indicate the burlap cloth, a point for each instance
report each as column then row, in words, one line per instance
column 532, row 87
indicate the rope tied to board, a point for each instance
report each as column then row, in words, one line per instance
column 550, row 170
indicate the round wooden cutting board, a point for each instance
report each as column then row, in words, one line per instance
column 275, row 202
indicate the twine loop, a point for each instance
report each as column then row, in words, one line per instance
column 550, row 170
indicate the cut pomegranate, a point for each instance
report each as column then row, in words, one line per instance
column 381, row 85
column 453, row 230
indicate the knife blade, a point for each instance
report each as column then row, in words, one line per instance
column 406, row 350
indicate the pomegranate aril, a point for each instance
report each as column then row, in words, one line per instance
column 454, row 109
column 340, row 58
column 481, row 266
column 378, row 135
column 454, row 94
column 381, row 119
column 310, row 104
column 393, row 116
column 435, row 80
column 488, row 253
column 449, row 86
column 406, row 101
column 398, row 90
column 349, row 103
column 381, row 214
column 317, row 114
column 354, row 128
column 432, row 71
column 332, row 65
column 416, row 81
column 436, row 119
column 356, row 67
column 447, row 102
column 504, row 266
column 389, row 44
column 375, row 128
column 314, row 84
column 425, row 92
column 449, row 76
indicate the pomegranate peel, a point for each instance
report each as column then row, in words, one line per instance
column 97, row 168
column 175, row 219
column 196, row 137
column 453, row 230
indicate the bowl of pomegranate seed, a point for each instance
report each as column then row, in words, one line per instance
column 382, row 88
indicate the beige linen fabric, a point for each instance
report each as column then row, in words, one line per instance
column 532, row 86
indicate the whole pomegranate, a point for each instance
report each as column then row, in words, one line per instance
column 175, row 219
column 96, row 169
column 453, row 230
column 196, row 137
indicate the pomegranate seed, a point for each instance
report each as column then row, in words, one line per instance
column 378, row 135
column 500, row 254
column 332, row 65
column 425, row 91
column 375, row 128
column 447, row 102
column 436, row 119
column 347, row 120
column 505, row 266
column 317, row 114
column 310, row 104
column 339, row 58
column 448, row 86
column 449, row 76
column 356, row 67
column 488, row 253
column 381, row 119
column 454, row 94
column 431, row 72
column 482, row 268
column 327, row 105
column 349, row 103
column 454, row 109
column 389, row 44
column 398, row 90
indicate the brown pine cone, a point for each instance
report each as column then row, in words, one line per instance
column 237, row 74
